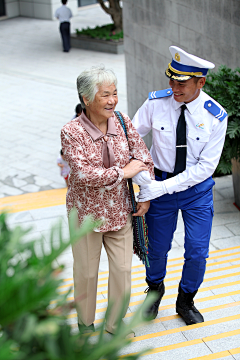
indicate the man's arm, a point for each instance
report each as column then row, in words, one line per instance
column 142, row 120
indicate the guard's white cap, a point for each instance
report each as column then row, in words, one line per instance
column 184, row 66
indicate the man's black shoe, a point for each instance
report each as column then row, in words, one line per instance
column 83, row 329
column 186, row 309
column 159, row 289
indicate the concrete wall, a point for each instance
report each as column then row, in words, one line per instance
column 40, row 9
column 207, row 28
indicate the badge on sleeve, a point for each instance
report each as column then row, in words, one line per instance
column 215, row 110
column 159, row 94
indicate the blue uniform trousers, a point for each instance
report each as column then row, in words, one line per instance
column 196, row 204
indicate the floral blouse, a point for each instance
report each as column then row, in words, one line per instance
column 94, row 189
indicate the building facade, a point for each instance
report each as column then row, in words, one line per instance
column 40, row 9
column 209, row 29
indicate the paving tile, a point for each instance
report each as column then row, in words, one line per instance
column 19, row 217
column 185, row 353
column 49, row 212
column 223, row 243
column 41, row 181
column 226, row 218
column 18, row 182
column 224, row 206
column 217, row 195
column 210, row 330
column 220, row 232
column 234, row 228
column 229, row 342
column 9, row 190
column 30, row 188
column 154, row 343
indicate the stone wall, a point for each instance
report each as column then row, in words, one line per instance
column 206, row 28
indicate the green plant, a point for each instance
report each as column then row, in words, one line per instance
column 30, row 327
column 105, row 32
column 224, row 87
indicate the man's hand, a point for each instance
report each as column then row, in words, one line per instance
column 142, row 208
column 152, row 191
column 142, row 178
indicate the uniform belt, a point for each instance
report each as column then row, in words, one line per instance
column 162, row 174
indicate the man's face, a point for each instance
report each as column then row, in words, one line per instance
column 186, row 91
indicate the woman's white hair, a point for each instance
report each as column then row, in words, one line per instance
column 88, row 82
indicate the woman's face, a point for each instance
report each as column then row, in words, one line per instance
column 104, row 102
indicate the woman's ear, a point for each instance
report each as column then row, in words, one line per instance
column 85, row 101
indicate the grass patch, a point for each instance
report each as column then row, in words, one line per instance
column 105, row 32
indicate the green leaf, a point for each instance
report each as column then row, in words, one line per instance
column 224, row 86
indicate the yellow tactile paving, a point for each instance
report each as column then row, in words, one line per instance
column 188, row 343
column 165, row 281
column 206, row 324
column 31, row 201
column 218, row 355
column 181, row 258
column 37, row 200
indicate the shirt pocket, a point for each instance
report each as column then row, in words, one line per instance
column 196, row 142
column 162, row 135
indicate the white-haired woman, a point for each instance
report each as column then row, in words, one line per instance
column 97, row 151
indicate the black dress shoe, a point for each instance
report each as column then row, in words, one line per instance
column 159, row 289
column 83, row 329
column 186, row 309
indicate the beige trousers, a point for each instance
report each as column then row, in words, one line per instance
column 86, row 254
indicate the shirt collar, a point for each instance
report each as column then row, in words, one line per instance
column 191, row 106
column 93, row 131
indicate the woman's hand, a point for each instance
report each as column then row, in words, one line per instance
column 133, row 168
column 142, row 208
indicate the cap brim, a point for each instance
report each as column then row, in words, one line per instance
column 174, row 76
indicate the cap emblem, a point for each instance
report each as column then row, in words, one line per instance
column 177, row 57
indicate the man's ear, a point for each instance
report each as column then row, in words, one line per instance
column 201, row 82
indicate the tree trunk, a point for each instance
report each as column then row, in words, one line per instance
column 115, row 11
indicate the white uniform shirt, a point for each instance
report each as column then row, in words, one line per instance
column 205, row 138
column 63, row 14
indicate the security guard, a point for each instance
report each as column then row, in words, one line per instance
column 188, row 132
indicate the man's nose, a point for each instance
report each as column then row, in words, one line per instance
column 174, row 87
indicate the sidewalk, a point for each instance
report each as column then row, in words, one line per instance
column 38, row 96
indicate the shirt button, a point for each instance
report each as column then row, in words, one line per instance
column 197, row 138
column 189, row 186
column 168, row 92
column 174, row 192
column 209, row 105
column 162, row 128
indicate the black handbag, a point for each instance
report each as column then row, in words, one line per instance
column 140, row 230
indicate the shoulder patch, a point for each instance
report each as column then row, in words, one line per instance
column 215, row 110
column 159, row 94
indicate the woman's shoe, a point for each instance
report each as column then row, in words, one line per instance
column 83, row 329
column 128, row 336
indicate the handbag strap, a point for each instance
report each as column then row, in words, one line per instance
column 140, row 230
column 130, row 185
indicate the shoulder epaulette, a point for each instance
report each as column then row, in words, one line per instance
column 159, row 94
column 215, row 110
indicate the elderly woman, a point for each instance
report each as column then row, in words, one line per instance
column 97, row 151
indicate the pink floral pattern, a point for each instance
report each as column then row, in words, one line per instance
column 93, row 189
